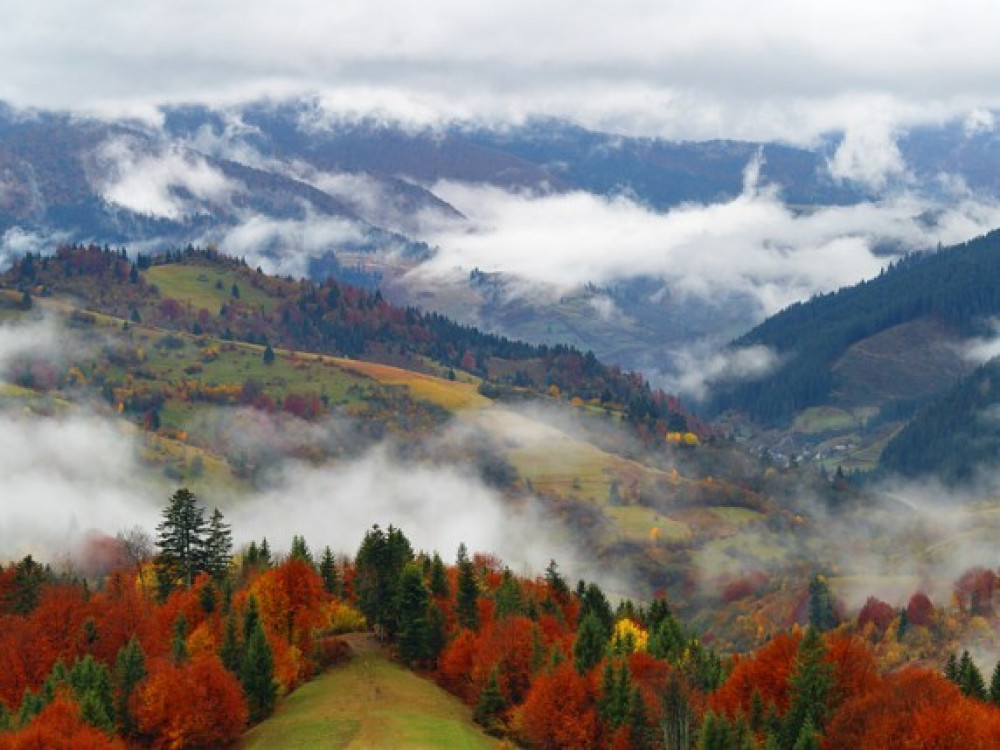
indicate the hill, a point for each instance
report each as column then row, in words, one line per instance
column 835, row 348
column 369, row 702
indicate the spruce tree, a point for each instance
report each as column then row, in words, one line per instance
column 130, row 669
column 995, row 686
column 467, row 604
column 257, row 668
column 230, row 651
column 300, row 550
column 590, row 644
column 178, row 646
column 508, row 597
column 181, row 540
column 328, row 572
column 809, row 685
column 414, row 629
column 491, row 705
column 439, row 578
column 218, row 547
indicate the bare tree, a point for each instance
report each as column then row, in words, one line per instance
column 137, row 548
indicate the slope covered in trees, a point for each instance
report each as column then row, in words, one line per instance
column 957, row 286
column 334, row 318
column 956, row 438
column 115, row 662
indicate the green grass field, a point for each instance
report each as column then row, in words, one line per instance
column 369, row 702
column 204, row 287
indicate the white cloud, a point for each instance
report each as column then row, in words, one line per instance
column 677, row 69
column 697, row 369
column 285, row 246
column 751, row 245
column 170, row 183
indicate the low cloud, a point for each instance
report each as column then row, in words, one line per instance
column 698, row 369
column 286, row 246
column 751, row 245
column 168, row 183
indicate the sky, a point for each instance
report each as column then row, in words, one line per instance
column 772, row 69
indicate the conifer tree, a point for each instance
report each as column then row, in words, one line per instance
column 491, row 705
column 439, row 578
column 414, row 629
column 181, row 540
column 218, row 546
column 178, row 646
column 328, row 572
column 508, row 596
column 809, row 684
column 467, row 604
column 230, row 651
column 130, row 669
column 257, row 667
column 300, row 550
column 590, row 644
column 995, row 686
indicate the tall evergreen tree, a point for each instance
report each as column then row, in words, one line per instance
column 328, row 572
column 178, row 646
column 467, row 597
column 491, row 705
column 439, row 578
column 508, row 597
column 181, row 540
column 590, row 644
column 414, row 629
column 300, row 550
column 809, row 685
column 379, row 565
column 970, row 679
column 257, row 668
column 230, row 651
column 995, row 686
column 218, row 546
column 130, row 669
column 822, row 609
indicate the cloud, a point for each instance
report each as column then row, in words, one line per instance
column 697, row 369
column 689, row 70
column 285, row 246
column 752, row 245
column 868, row 153
column 170, row 183
column 17, row 241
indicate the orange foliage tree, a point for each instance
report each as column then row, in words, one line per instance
column 559, row 711
column 59, row 726
column 194, row 704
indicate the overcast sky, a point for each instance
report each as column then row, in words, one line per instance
column 767, row 69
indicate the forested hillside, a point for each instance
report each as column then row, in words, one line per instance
column 956, row 439
column 179, row 643
column 334, row 318
column 958, row 286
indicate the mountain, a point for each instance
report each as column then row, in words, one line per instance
column 301, row 192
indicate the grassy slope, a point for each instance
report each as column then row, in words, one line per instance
column 369, row 702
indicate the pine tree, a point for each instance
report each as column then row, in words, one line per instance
column 130, row 669
column 822, row 610
column 638, row 721
column 808, row 738
column 491, row 705
column 257, row 668
column 508, row 597
column 91, row 684
column 328, row 572
column 230, row 651
column 437, row 633
column 178, row 646
column 414, row 629
column 379, row 565
column 218, row 546
column 677, row 714
column 300, row 550
column 181, row 540
column 995, row 685
column 809, row 684
column 439, row 578
column 951, row 668
column 467, row 597
column 590, row 644
column 970, row 679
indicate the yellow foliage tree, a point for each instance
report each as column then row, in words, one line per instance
column 628, row 637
